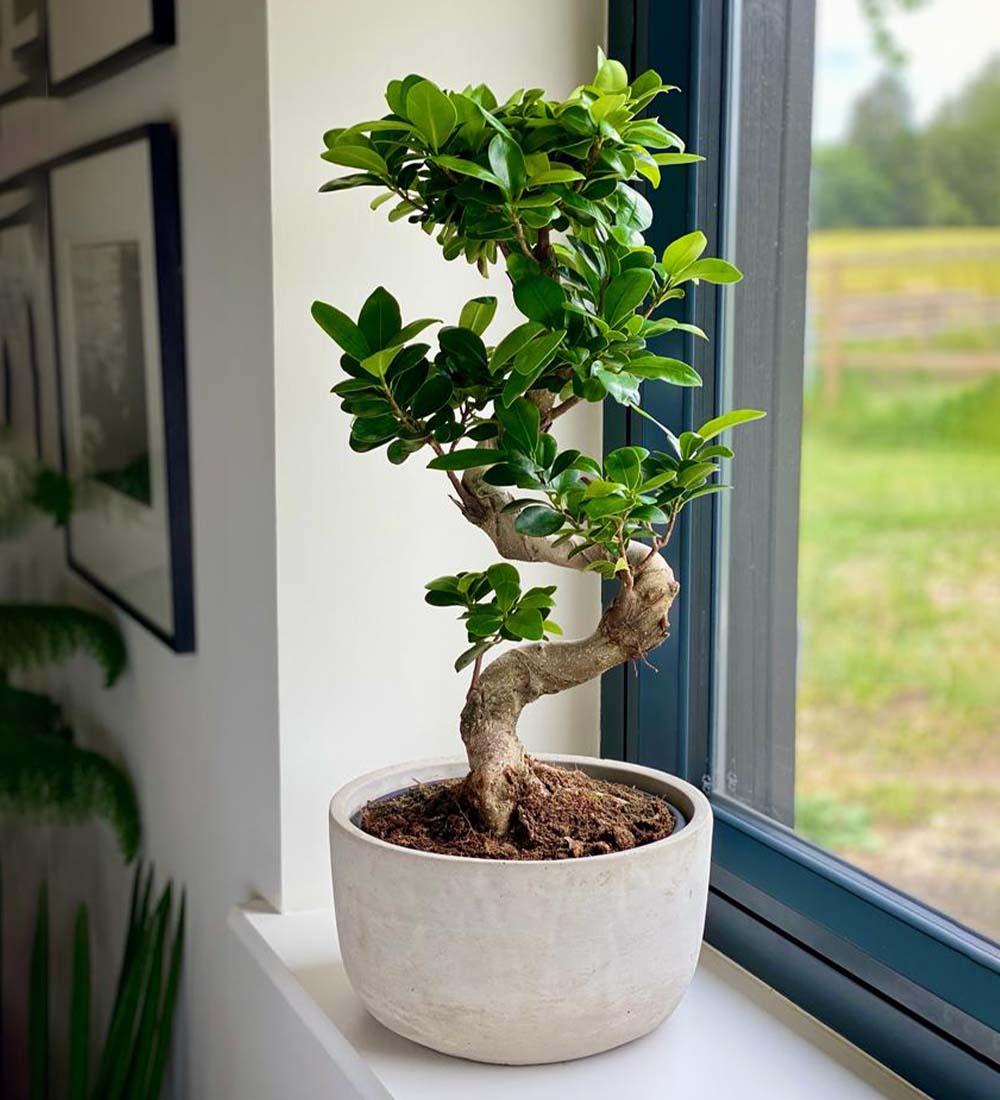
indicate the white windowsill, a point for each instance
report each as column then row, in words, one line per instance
column 730, row 1036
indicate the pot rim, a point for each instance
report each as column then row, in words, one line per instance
column 345, row 804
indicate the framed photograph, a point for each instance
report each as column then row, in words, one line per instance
column 22, row 60
column 115, row 238
column 90, row 40
column 29, row 428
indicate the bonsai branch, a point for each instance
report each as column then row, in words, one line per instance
column 634, row 623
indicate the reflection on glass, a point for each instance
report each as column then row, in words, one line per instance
column 898, row 719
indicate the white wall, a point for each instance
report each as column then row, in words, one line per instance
column 365, row 665
column 198, row 733
column 330, row 561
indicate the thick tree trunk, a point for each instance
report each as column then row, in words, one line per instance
column 634, row 623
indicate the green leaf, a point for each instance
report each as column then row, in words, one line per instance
column 674, row 371
column 712, row 271
column 533, row 358
column 554, row 174
column 468, row 168
column 414, row 328
column 625, row 293
column 540, row 299
column 712, row 428
column 477, row 313
column 538, row 520
column 465, row 659
column 612, row 76
column 625, row 465
column 527, row 624
column 164, row 1029
column 668, row 159
column 380, row 321
column 698, row 472
column 340, row 328
column 432, row 112
column 79, row 1009
column 38, row 1002
column 551, row 628
column 434, row 394
column 684, row 251
column 520, row 422
column 704, row 491
column 357, row 179
column 380, row 362
column 506, row 584
column 606, row 506
column 357, row 156
column 483, row 622
column 507, row 162
column 464, row 460
column 512, row 343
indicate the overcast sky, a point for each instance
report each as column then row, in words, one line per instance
column 946, row 42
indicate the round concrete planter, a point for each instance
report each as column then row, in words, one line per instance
column 520, row 962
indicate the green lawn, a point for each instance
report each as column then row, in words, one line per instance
column 899, row 609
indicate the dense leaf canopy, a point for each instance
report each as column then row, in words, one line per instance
column 546, row 188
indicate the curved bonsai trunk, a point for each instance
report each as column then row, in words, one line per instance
column 634, row 623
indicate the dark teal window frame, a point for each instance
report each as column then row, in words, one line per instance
column 900, row 980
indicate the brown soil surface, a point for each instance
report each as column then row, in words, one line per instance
column 561, row 814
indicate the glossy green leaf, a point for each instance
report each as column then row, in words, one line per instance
column 538, row 354
column 464, row 460
column 477, row 313
column 432, row 395
column 357, row 156
column 683, row 252
column 414, row 328
column 432, row 112
column 712, row 271
column 520, row 423
column 674, row 371
column 345, row 183
column 339, row 327
column 469, row 656
column 527, row 624
column 538, row 520
column 512, row 343
column 380, row 320
column 712, row 428
column 625, row 293
column 540, row 299
column 377, row 364
column 555, row 174
column 468, row 168
column 507, row 162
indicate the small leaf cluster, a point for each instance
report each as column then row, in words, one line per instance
column 496, row 609
column 635, row 494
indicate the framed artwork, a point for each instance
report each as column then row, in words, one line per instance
column 22, row 56
column 89, row 40
column 28, row 383
column 115, row 240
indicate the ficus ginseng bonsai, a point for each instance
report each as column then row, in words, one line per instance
column 545, row 188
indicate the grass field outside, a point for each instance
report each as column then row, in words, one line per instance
column 898, row 736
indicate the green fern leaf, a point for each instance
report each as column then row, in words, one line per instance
column 37, row 634
column 50, row 778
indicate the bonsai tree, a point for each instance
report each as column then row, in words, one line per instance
column 547, row 189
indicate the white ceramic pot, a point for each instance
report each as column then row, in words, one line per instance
column 520, row 962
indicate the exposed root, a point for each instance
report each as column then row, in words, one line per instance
column 557, row 814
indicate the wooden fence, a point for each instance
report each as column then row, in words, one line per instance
column 848, row 322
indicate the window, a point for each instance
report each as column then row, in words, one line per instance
column 846, row 599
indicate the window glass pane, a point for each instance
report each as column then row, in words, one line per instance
column 896, row 739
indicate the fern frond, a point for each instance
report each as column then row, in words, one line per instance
column 52, row 779
column 36, row 634
column 30, row 712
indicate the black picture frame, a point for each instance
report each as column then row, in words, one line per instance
column 165, row 201
column 162, row 35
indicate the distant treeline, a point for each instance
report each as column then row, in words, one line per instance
column 886, row 172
